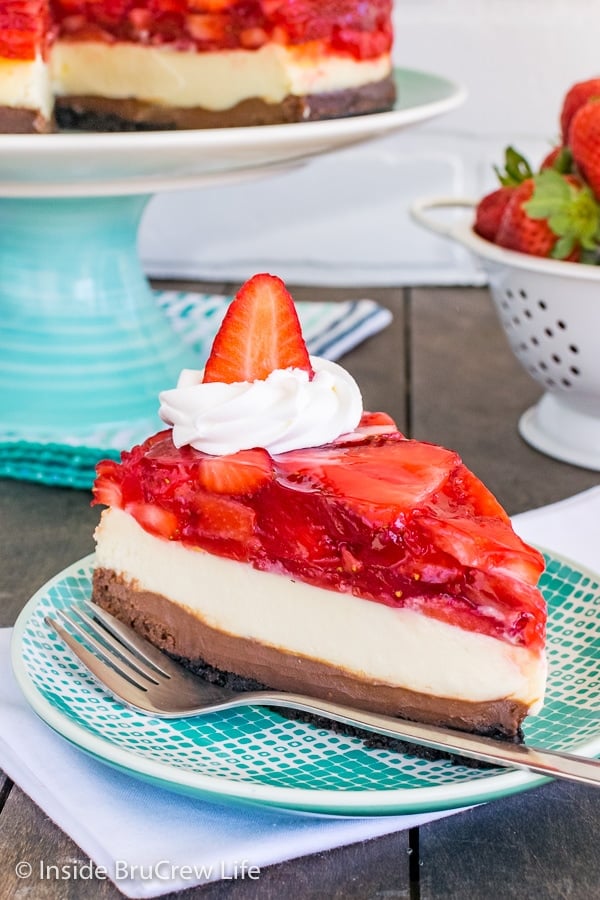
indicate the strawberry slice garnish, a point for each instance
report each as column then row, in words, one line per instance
column 237, row 473
column 259, row 334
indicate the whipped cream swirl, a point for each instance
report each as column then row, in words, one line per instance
column 286, row 411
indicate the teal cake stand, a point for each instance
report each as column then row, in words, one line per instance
column 82, row 341
column 84, row 346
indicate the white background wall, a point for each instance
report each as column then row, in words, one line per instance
column 342, row 219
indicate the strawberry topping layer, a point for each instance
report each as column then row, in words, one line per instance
column 23, row 27
column 392, row 520
column 362, row 30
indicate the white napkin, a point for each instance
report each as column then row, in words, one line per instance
column 144, row 837
column 570, row 527
column 136, row 825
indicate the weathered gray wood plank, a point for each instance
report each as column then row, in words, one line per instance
column 541, row 845
column 27, row 835
column 46, row 529
column 468, row 391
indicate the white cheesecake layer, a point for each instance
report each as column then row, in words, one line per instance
column 370, row 640
column 215, row 81
column 24, row 84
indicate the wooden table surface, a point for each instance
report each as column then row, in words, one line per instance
column 444, row 370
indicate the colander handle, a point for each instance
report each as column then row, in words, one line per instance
column 419, row 211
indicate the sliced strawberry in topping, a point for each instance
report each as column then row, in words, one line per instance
column 259, row 334
column 154, row 519
column 107, row 487
column 221, row 517
column 484, row 543
column 237, row 473
column 379, row 419
column 377, row 481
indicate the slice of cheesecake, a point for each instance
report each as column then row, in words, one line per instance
column 25, row 95
column 279, row 534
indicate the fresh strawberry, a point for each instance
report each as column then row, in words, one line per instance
column 259, row 334
column 575, row 98
column 550, row 215
column 585, row 143
column 560, row 159
column 490, row 208
column 237, row 473
column 518, row 231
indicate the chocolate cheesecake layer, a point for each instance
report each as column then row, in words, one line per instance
column 108, row 114
column 174, row 629
column 22, row 121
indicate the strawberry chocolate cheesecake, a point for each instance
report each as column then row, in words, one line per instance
column 191, row 63
column 277, row 534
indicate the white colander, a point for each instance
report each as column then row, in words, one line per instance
column 550, row 312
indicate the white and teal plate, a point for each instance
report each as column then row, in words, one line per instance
column 255, row 755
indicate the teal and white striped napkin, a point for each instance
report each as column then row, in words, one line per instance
column 330, row 330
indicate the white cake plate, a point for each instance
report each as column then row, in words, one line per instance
column 82, row 342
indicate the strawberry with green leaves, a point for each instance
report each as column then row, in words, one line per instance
column 490, row 208
column 551, row 215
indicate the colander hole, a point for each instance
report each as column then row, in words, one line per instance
column 550, row 382
column 565, row 382
column 504, row 304
column 522, row 346
column 516, row 320
column 523, row 294
column 549, row 332
column 509, row 294
column 528, row 313
column 543, row 366
column 556, row 358
column 534, row 341
column 574, row 370
column 542, row 304
column 561, row 325
column 573, row 348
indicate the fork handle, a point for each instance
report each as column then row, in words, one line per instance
column 544, row 762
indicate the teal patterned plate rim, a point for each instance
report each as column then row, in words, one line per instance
column 255, row 755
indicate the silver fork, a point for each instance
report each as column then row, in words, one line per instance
column 141, row 676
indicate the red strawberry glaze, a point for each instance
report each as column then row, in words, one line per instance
column 362, row 30
column 23, row 28
column 396, row 521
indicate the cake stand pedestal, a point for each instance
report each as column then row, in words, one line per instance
column 83, row 343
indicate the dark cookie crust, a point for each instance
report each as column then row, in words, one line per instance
column 106, row 114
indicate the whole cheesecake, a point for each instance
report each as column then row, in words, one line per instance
column 154, row 64
column 278, row 535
